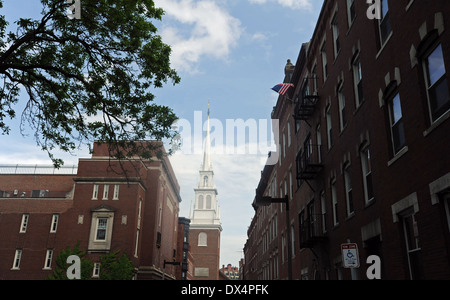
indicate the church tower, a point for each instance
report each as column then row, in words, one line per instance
column 204, row 235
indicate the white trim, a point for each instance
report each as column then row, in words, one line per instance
column 405, row 203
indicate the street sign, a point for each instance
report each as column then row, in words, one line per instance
column 350, row 255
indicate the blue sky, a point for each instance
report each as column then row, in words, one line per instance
column 231, row 52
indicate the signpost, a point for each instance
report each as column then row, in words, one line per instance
column 350, row 256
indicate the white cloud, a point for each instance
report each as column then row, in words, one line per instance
column 236, row 177
column 204, row 29
column 293, row 4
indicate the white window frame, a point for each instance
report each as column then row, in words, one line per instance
column 96, row 270
column 48, row 260
column 335, row 30
column 97, row 228
column 348, row 190
column 341, row 102
column 202, row 239
column 105, row 192
column 116, row 192
column 323, row 52
column 393, row 122
column 349, row 12
column 428, row 83
column 17, row 259
column 357, row 79
column 95, row 192
column 384, row 15
column 366, row 166
column 323, row 209
column 54, row 224
column 334, row 202
column 329, row 126
column 24, row 223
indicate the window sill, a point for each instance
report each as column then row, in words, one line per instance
column 398, row 156
column 384, row 45
column 369, row 203
column 350, row 216
column 436, row 123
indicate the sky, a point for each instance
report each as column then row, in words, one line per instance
column 230, row 53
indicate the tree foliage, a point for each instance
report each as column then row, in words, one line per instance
column 60, row 271
column 88, row 79
column 114, row 266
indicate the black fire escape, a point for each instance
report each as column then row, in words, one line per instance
column 306, row 101
column 309, row 164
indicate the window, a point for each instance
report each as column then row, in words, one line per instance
column 116, row 192
column 436, row 82
column 106, row 192
column 289, row 133
column 24, row 223
column 101, row 229
column 311, row 219
column 48, row 259
column 341, row 100
column 314, row 79
column 202, row 239
column 323, row 52
column 17, row 258
column 335, row 29
column 396, row 124
column 136, row 245
column 95, row 192
column 323, row 206
column 348, row 190
column 293, row 240
column 329, row 127
column 54, row 224
column 291, row 185
column 357, row 80
column 334, row 202
column 200, row 202
column 412, row 242
column 96, row 270
column 102, row 225
column 446, row 200
column 319, row 143
column 367, row 175
column 205, row 181
column 351, row 12
column 208, row 202
column 307, row 145
column 385, row 22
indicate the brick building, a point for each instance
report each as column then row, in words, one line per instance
column 364, row 148
column 206, row 227
column 42, row 211
column 184, row 254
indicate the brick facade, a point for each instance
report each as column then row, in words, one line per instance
column 364, row 148
column 140, row 211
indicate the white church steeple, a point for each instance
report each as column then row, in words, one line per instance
column 206, row 210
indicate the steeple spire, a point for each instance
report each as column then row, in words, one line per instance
column 207, row 154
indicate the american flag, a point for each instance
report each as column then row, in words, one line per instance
column 282, row 88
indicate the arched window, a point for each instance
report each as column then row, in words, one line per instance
column 200, row 202
column 202, row 239
column 205, row 181
column 208, row 202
